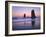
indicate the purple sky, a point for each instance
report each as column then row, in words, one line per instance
column 19, row 11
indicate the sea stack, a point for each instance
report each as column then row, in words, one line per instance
column 33, row 14
column 24, row 15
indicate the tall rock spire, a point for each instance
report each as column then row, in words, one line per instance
column 33, row 14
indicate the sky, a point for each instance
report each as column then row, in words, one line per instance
column 19, row 11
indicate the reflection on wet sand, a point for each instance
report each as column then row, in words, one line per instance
column 26, row 24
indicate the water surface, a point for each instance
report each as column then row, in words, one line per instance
column 26, row 23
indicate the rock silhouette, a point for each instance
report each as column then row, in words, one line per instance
column 24, row 15
column 33, row 14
